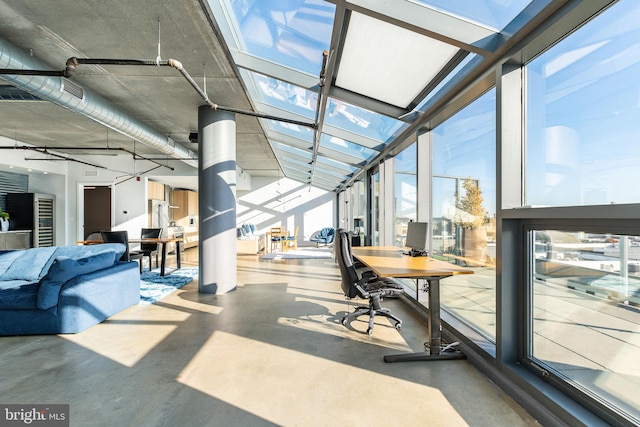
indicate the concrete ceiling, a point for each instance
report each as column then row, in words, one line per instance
column 160, row 97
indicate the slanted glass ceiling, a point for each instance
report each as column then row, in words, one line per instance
column 362, row 122
column 388, row 60
column 281, row 95
column 495, row 14
column 340, row 149
column 291, row 33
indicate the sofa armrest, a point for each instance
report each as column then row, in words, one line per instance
column 64, row 269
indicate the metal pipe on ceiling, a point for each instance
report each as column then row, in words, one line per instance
column 48, row 153
column 135, row 155
column 72, row 64
column 82, row 101
column 45, row 150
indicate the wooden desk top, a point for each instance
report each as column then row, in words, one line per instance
column 388, row 261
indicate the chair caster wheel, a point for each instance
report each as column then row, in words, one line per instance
column 370, row 331
column 398, row 325
column 344, row 321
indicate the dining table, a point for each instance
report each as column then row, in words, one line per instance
column 162, row 241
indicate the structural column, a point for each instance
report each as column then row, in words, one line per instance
column 217, row 200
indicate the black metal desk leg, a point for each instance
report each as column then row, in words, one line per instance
column 434, row 330
column 163, row 258
column 435, row 333
column 178, row 254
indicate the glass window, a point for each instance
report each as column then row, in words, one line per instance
column 375, row 212
column 359, row 205
column 585, row 315
column 281, row 94
column 493, row 13
column 293, row 33
column 582, row 115
column 464, row 207
column 343, row 150
column 405, row 183
column 360, row 121
column 304, row 134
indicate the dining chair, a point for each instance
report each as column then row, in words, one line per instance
column 120, row 237
column 277, row 234
column 291, row 242
column 148, row 249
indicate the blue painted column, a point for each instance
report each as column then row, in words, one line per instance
column 217, row 201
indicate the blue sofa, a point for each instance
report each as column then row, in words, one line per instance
column 324, row 236
column 64, row 289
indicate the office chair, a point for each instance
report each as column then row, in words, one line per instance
column 120, row 237
column 356, row 286
column 148, row 249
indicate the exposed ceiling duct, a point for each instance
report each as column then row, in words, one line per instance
column 82, row 101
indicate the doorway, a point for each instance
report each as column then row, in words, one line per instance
column 97, row 209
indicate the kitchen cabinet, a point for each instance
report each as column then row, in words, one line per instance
column 185, row 209
column 185, row 214
column 155, row 190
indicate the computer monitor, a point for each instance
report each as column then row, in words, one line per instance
column 417, row 235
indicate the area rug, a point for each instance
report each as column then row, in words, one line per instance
column 307, row 253
column 153, row 286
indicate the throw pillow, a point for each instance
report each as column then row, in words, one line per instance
column 64, row 269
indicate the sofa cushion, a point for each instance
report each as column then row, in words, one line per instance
column 81, row 251
column 6, row 259
column 18, row 294
column 29, row 264
column 64, row 268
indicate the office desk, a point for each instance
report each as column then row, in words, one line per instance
column 162, row 241
column 388, row 261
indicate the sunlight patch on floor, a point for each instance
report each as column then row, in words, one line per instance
column 287, row 391
column 201, row 307
column 384, row 332
column 124, row 343
column 152, row 312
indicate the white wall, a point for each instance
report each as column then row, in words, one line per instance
column 128, row 194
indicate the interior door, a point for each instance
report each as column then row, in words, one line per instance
column 97, row 209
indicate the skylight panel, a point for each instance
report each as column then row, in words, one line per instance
column 290, row 33
column 361, row 121
column 301, row 132
column 344, row 151
column 495, row 14
column 280, row 94
column 335, row 165
column 387, row 62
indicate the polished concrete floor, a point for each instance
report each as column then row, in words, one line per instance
column 271, row 353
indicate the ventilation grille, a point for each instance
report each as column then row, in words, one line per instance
column 12, row 183
column 45, row 222
column 72, row 88
column 12, row 93
column 90, row 172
